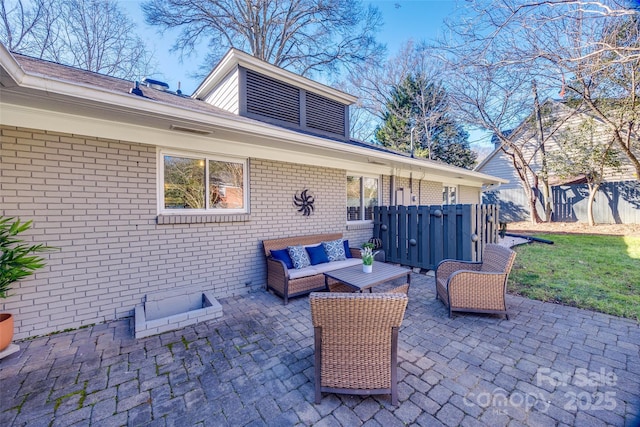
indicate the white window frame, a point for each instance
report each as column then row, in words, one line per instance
column 206, row 157
column 447, row 188
column 361, row 175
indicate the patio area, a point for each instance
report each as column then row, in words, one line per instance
column 548, row 365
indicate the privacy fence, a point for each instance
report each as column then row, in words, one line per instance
column 422, row 236
column 615, row 203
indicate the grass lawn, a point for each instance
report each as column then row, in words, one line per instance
column 593, row 272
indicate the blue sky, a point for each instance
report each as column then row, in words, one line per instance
column 404, row 20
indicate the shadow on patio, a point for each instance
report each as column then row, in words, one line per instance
column 548, row 365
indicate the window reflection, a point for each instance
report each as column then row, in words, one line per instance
column 362, row 197
column 184, row 182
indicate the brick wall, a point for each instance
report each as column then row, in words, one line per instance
column 431, row 193
column 95, row 201
column 468, row 195
column 426, row 192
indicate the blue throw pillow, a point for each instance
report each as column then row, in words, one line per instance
column 282, row 255
column 335, row 250
column 317, row 255
column 347, row 251
column 299, row 256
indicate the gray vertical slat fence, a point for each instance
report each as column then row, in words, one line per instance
column 615, row 203
column 422, row 236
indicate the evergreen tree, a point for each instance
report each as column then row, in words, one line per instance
column 396, row 126
column 417, row 110
column 452, row 146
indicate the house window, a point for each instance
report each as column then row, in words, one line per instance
column 362, row 196
column 448, row 195
column 202, row 184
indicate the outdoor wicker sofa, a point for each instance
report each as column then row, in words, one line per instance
column 356, row 342
column 478, row 287
column 289, row 283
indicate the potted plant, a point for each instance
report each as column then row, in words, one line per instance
column 367, row 254
column 17, row 261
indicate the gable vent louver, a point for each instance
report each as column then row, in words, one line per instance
column 324, row 114
column 272, row 99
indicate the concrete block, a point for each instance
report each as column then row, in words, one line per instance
column 177, row 311
column 9, row 350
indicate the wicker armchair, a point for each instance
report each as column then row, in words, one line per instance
column 478, row 287
column 356, row 342
column 402, row 289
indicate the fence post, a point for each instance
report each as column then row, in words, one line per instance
column 466, row 232
column 424, row 237
column 393, row 233
column 450, row 231
column 412, row 243
column 402, row 235
column 437, row 226
column 383, row 232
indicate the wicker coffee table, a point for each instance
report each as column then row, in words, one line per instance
column 355, row 278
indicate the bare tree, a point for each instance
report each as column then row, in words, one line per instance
column 432, row 105
column 583, row 153
column 495, row 98
column 590, row 49
column 18, row 21
column 94, row 35
column 375, row 81
column 598, row 61
column 587, row 50
column 362, row 124
column 304, row 36
column 47, row 35
column 98, row 36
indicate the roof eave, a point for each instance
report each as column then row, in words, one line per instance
column 105, row 99
column 12, row 72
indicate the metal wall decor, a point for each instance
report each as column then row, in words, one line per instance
column 304, row 202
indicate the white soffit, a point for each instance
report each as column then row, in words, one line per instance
column 209, row 140
column 225, row 142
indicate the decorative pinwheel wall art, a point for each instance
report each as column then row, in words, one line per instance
column 304, row 202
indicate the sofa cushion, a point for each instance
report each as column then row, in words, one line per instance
column 282, row 255
column 347, row 250
column 297, row 273
column 335, row 250
column 317, row 254
column 312, row 270
column 334, row 265
column 299, row 256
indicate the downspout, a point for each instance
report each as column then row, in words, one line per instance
column 422, row 178
column 411, row 186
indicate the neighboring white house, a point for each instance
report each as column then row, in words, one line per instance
column 95, row 163
column 618, row 200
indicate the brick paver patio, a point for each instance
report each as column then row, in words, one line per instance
column 548, row 365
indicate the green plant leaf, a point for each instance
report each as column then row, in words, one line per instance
column 18, row 259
